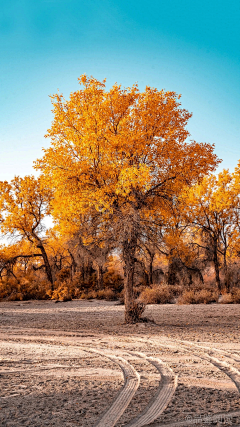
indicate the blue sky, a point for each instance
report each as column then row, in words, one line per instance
column 191, row 47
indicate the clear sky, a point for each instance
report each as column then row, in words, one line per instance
column 190, row 47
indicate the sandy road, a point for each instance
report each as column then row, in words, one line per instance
column 70, row 376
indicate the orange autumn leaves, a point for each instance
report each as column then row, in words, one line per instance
column 119, row 147
column 24, row 203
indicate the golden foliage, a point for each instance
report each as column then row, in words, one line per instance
column 24, row 202
column 121, row 150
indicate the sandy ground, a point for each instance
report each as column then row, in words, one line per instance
column 76, row 364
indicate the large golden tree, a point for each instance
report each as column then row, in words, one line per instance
column 120, row 156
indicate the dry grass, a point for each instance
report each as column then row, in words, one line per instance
column 236, row 295
column 226, row 299
column 107, row 294
column 157, row 294
column 203, row 296
column 231, row 298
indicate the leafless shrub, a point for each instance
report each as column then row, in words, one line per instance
column 226, row 299
column 203, row 296
column 107, row 294
column 235, row 293
column 157, row 294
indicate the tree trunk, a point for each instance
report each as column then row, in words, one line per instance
column 151, row 270
column 73, row 265
column 128, row 294
column 47, row 265
column 100, row 277
column 83, row 272
column 216, row 266
column 173, row 269
column 131, row 307
column 226, row 278
column 88, row 272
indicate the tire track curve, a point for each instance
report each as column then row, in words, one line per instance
column 156, row 406
column 232, row 356
column 232, row 372
column 124, row 397
column 166, row 389
column 224, row 366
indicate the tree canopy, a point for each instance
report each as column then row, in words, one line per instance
column 122, row 156
column 24, row 203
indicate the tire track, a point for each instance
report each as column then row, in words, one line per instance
column 232, row 372
column 131, row 384
column 224, row 366
column 232, row 356
column 166, row 389
column 156, row 406
column 167, row 384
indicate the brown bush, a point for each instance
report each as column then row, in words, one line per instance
column 27, row 288
column 84, row 295
column 68, row 290
column 226, row 299
column 157, row 294
column 204, row 296
column 235, row 293
column 107, row 294
column 175, row 290
column 63, row 292
column 91, row 294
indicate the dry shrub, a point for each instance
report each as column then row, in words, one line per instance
column 204, row 296
column 8, row 288
column 65, row 291
column 235, row 293
column 92, row 294
column 27, row 288
column 226, row 299
column 15, row 296
column 62, row 293
column 107, row 294
column 84, row 295
column 157, row 294
column 175, row 290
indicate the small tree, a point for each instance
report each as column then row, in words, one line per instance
column 125, row 155
column 212, row 207
column 24, row 204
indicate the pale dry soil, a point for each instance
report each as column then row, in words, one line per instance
column 49, row 375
